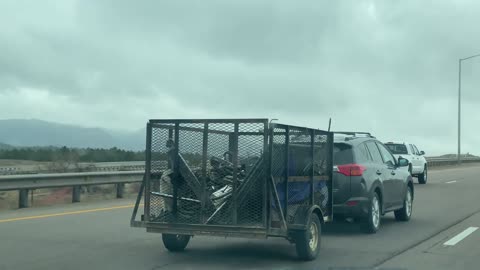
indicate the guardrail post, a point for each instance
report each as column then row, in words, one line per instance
column 76, row 190
column 23, row 198
column 120, row 190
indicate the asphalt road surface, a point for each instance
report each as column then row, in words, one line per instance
column 98, row 236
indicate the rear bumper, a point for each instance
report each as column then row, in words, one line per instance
column 353, row 208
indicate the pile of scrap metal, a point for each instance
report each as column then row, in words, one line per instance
column 217, row 191
column 220, row 180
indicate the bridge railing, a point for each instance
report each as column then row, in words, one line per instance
column 24, row 183
column 441, row 161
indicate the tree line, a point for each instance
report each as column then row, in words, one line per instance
column 52, row 154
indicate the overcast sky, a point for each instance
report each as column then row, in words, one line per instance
column 388, row 67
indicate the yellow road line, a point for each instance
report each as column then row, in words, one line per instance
column 67, row 213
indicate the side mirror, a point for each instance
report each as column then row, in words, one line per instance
column 422, row 153
column 402, row 162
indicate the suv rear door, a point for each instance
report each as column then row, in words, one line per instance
column 395, row 182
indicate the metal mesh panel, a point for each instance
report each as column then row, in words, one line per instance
column 251, row 178
column 159, row 163
column 158, row 206
column 220, row 155
column 278, row 159
column 159, row 149
column 215, row 171
column 190, row 145
column 321, row 171
column 299, row 171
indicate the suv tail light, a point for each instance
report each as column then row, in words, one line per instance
column 351, row 169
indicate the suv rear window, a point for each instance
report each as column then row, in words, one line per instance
column 342, row 154
column 361, row 154
column 397, row 149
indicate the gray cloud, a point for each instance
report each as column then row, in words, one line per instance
column 389, row 67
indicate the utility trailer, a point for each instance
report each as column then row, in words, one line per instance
column 236, row 178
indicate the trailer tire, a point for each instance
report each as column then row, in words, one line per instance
column 307, row 242
column 175, row 242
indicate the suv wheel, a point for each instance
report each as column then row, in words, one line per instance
column 372, row 223
column 422, row 178
column 405, row 213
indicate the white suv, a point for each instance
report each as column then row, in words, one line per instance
column 417, row 162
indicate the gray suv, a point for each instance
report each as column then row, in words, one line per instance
column 368, row 181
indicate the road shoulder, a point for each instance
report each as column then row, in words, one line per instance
column 440, row 252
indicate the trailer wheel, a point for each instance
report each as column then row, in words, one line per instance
column 308, row 242
column 175, row 242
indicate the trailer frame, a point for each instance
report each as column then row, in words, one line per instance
column 288, row 195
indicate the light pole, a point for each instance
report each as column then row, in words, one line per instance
column 459, row 99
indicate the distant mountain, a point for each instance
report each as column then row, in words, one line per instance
column 22, row 132
column 130, row 140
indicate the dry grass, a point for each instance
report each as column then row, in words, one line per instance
column 8, row 199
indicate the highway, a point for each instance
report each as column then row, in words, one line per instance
column 98, row 236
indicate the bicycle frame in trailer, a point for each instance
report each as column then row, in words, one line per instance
column 234, row 177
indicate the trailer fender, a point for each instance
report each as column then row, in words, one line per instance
column 303, row 215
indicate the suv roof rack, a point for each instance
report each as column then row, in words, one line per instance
column 355, row 133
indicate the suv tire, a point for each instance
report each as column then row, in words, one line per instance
column 307, row 242
column 405, row 212
column 422, row 178
column 372, row 222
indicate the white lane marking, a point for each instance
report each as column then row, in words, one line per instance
column 451, row 182
column 459, row 237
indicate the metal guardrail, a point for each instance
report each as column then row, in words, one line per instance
column 80, row 167
column 140, row 166
column 25, row 183
column 449, row 158
column 441, row 161
column 35, row 181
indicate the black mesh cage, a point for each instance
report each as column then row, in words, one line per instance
column 241, row 172
column 301, row 172
column 207, row 172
